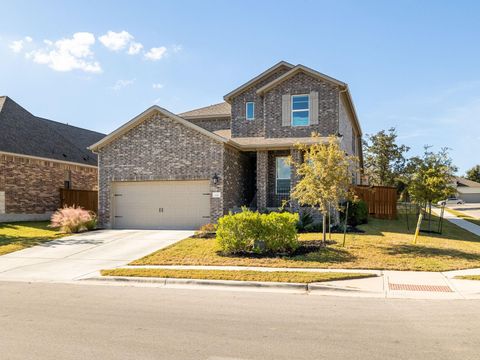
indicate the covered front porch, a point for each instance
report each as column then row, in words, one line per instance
column 273, row 178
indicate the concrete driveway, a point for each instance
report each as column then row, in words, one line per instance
column 83, row 255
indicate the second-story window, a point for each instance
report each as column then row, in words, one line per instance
column 300, row 110
column 250, row 110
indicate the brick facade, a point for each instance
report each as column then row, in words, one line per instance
column 328, row 97
column 245, row 128
column 31, row 186
column 212, row 124
column 237, row 175
column 160, row 148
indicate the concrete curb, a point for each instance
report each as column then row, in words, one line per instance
column 222, row 283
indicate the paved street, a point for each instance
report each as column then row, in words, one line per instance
column 81, row 255
column 66, row 321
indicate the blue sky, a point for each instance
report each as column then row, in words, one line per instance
column 413, row 65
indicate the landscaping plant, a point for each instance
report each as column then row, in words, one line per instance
column 431, row 180
column 252, row 232
column 325, row 176
column 73, row 220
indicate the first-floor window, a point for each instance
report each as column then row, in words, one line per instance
column 283, row 174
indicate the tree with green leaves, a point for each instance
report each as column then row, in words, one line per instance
column 473, row 174
column 325, row 176
column 432, row 178
column 384, row 158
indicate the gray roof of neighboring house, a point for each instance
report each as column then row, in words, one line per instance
column 465, row 182
column 23, row 133
column 222, row 110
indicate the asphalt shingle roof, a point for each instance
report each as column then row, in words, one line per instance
column 221, row 110
column 23, row 133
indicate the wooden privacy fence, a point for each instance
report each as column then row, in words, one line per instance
column 381, row 200
column 87, row 199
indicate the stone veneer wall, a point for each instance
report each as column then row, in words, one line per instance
column 301, row 83
column 242, row 127
column 212, row 124
column 31, row 186
column 160, row 148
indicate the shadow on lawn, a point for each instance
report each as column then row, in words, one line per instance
column 26, row 240
column 313, row 252
column 428, row 251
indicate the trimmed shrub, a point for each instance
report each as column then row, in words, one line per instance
column 250, row 231
column 206, row 231
column 357, row 213
column 306, row 219
column 73, row 220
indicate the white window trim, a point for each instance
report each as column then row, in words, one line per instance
column 246, row 110
column 298, row 110
column 278, row 178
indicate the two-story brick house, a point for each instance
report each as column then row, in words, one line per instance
column 162, row 170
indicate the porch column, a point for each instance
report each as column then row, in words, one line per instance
column 262, row 179
column 297, row 158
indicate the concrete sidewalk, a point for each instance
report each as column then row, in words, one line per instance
column 464, row 224
column 387, row 284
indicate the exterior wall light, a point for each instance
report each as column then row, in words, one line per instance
column 215, row 179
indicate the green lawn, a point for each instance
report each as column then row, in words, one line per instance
column 21, row 235
column 386, row 244
column 464, row 216
column 240, row 275
column 468, row 277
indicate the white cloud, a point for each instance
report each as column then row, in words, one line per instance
column 156, row 53
column 134, row 48
column 120, row 84
column 157, row 100
column 17, row 45
column 157, row 86
column 68, row 54
column 116, row 41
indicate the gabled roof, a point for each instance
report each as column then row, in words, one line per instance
column 295, row 70
column 142, row 117
column 301, row 68
column 221, row 110
column 25, row 134
column 281, row 64
column 465, row 182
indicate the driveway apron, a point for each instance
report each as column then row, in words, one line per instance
column 82, row 255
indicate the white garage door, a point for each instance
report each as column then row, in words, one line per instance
column 161, row 204
column 470, row 198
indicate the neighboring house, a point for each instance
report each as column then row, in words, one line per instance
column 162, row 170
column 37, row 158
column 468, row 190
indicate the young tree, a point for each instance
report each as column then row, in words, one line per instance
column 473, row 174
column 325, row 176
column 432, row 178
column 384, row 159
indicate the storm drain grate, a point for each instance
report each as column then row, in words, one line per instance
column 410, row 287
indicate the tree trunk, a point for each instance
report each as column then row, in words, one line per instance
column 324, row 220
column 429, row 216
